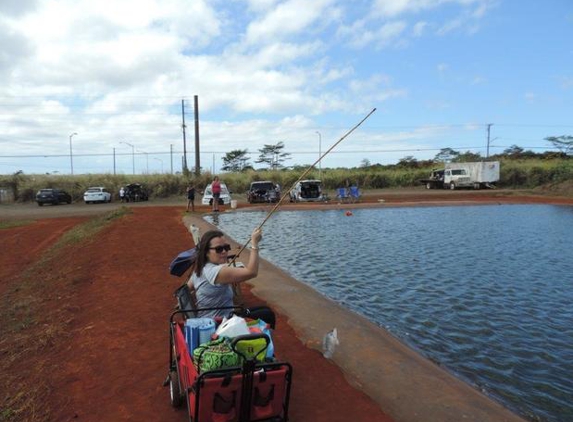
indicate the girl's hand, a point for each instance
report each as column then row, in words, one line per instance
column 256, row 236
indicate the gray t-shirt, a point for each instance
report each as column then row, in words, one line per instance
column 212, row 295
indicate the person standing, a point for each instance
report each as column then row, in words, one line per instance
column 122, row 194
column 216, row 191
column 191, row 197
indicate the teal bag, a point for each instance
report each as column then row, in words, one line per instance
column 216, row 354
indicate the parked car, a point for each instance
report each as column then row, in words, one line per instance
column 307, row 191
column 263, row 191
column 53, row 196
column 224, row 198
column 135, row 192
column 97, row 194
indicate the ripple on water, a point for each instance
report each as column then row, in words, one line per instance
column 485, row 291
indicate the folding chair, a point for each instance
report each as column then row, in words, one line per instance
column 342, row 194
column 354, row 194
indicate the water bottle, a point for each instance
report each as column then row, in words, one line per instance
column 329, row 343
column 196, row 233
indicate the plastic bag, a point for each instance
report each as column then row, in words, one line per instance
column 233, row 327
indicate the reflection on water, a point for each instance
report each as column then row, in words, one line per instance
column 485, row 291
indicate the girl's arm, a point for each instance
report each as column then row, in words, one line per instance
column 229, row 275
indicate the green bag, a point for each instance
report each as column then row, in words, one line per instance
column 216, row 354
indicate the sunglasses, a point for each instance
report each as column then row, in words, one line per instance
column 220, row 249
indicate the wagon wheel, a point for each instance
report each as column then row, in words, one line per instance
column 175, row 390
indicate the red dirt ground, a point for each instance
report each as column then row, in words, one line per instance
column 113, row 296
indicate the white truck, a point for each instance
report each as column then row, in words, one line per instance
column 483, row 174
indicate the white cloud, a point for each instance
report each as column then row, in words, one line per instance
column 15, row 8
column 261, row 5
column 288, row 19
column 359, row 36
column 393, row 8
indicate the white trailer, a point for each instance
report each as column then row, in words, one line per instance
column 483, row 174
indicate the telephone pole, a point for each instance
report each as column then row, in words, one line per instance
column 489, row 125
column 197, row 160
column 184, row 139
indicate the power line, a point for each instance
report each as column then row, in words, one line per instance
column 359, row 151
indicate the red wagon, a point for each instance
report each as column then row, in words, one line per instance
column 252, row 391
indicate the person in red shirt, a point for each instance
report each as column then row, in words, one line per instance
column 216, row 191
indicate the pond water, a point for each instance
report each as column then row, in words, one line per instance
column 486, row 291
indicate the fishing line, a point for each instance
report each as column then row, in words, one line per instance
column 287, row 192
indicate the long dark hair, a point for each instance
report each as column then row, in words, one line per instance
column 203, row 249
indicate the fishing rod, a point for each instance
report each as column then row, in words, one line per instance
column 287, row 192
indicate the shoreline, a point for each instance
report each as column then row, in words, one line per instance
column 406, row 385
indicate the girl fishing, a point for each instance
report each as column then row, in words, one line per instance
column 212, row 277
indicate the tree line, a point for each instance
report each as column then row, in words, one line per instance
column 273, row 156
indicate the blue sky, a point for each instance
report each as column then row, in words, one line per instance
column 267, row 71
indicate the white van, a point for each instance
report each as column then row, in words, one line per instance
column 224, row 198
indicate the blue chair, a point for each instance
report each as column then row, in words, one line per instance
column 342, row 194
column 354, row 194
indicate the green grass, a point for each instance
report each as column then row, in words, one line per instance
column 8, row 224
column 86, row 232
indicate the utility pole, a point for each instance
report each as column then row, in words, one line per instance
column 171, row 154
column 114, row 161
column 197, row 160
column 488, row 133
column 319, row 154
column 71, row 154
column 184, row 139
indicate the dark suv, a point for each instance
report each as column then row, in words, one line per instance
column 53, row 196
column 135, row 193
column 263, row 191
